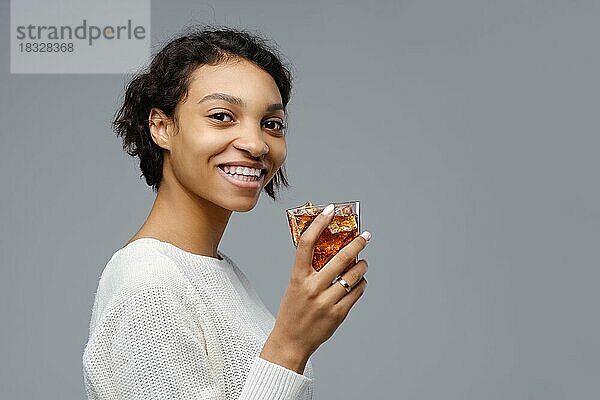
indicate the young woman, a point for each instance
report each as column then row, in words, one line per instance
column 174, row 317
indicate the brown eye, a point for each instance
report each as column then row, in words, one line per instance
column 222, row 116
column 274, row 125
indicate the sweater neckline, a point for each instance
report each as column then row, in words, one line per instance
column 192, row 258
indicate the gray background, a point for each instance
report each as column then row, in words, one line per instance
column 468, row 130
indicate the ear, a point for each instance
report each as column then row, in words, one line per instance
column 161, row 128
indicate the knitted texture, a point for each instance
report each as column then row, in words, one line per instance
column 169, row 324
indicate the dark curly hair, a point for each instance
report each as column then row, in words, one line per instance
column 164, row 83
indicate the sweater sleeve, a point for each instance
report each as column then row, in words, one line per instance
column 156, row 350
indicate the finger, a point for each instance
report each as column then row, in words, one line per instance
column 306, row 242
column 343, row 258
column 341, row 287
column 347, row 302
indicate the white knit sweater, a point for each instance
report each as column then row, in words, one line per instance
column 169, row 324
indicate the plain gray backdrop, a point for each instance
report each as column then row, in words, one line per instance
column 468, row 130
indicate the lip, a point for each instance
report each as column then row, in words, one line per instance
column 241, row 184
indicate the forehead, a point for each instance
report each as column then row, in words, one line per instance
column 238, row 77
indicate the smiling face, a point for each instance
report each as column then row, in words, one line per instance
column 231, row 120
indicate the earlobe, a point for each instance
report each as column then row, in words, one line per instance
column 158, row 123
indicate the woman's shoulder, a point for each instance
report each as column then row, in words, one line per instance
column 140, row 262
column 138, row 266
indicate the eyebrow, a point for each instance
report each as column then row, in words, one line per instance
column 237, row 101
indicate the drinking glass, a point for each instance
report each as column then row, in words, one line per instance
column 343, row 228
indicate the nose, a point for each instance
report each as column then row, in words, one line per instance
column 251, row 141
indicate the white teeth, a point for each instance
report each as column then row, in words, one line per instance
column 252, row 172
column 244, row 178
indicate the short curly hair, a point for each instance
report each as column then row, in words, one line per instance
column 164, row 83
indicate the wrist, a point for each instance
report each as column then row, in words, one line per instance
column 282, row 353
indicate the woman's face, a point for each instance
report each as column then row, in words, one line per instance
column 229, row 129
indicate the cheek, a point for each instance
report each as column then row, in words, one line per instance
column 278, row 151
column 201, row 145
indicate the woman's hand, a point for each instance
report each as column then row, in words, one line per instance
column 312, row 307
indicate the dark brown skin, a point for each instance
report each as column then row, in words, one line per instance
column 194, row 201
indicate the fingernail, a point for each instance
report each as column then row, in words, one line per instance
column 328, row 210
column 366, row 235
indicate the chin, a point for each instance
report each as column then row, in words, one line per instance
column 242, row 205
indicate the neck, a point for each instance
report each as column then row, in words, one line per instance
column 181, row 218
